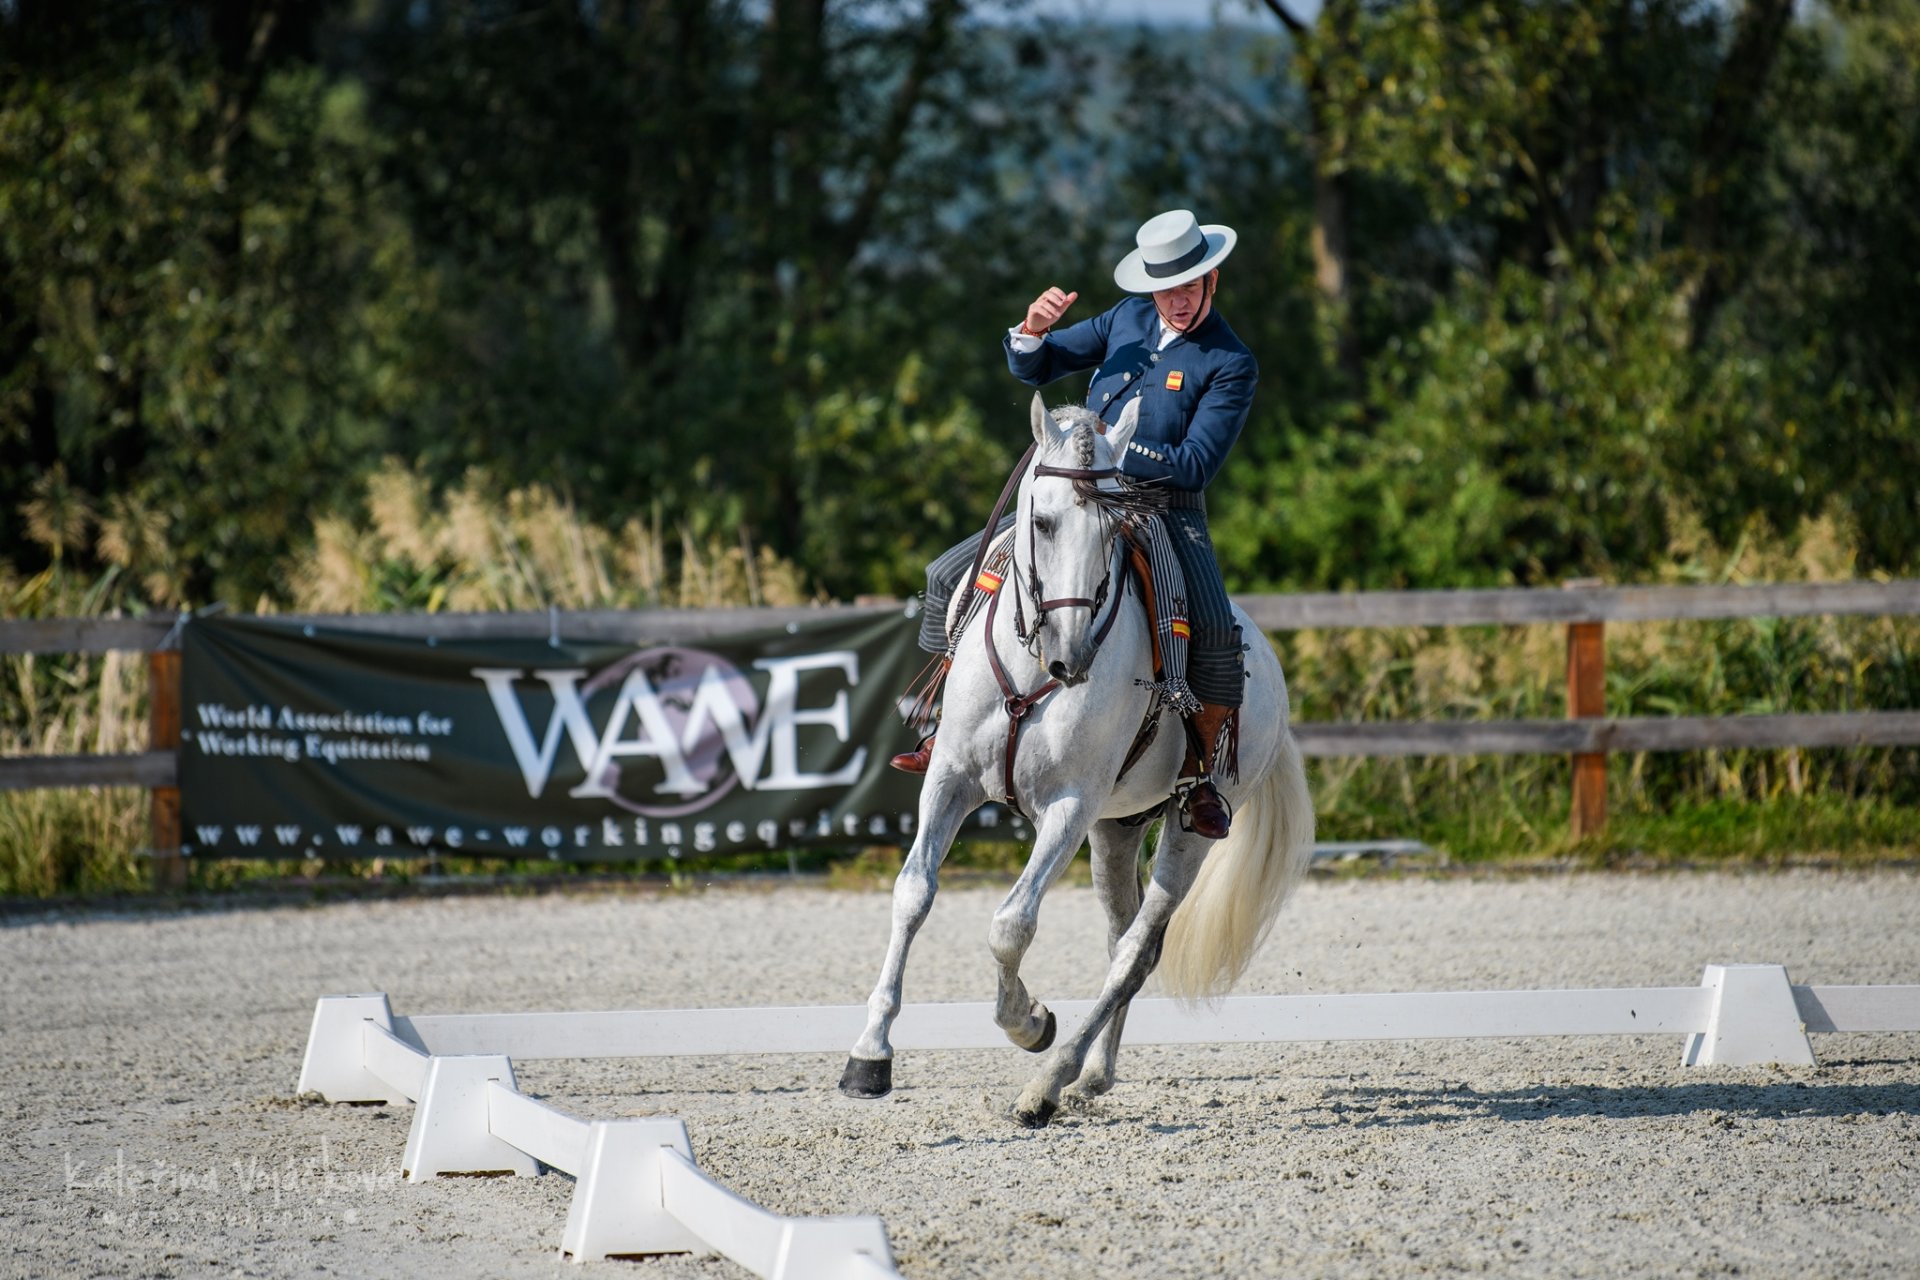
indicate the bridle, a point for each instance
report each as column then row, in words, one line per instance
column 1129, row 502
column 1085, row 483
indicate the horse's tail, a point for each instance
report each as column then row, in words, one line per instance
column 1243, row 883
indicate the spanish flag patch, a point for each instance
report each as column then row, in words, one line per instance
column 988, row 581
column 1174, row 378
column 1181, row 629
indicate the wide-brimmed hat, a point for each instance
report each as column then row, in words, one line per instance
column 1174, row 248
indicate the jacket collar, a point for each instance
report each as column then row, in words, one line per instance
column 1206, row 325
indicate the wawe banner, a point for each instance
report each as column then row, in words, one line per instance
column 313, row 742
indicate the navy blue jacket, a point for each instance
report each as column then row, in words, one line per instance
column 1194, row 395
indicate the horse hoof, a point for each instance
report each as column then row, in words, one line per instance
column 867, row 1078
column 1091, row 1086
column 1044, row 1043
column 1038, row 1117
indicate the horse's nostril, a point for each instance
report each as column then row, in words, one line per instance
column 1057, row 669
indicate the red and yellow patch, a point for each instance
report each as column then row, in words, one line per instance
column 988, row 581
column 1175, row 378
column 1181, row 629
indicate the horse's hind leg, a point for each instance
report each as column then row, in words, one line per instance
column 1057, row 837
column 1116, row 882
column 944, row 804
column 1174, row 868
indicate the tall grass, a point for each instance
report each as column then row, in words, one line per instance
column 473, row 550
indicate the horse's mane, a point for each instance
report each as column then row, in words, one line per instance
column 1081, row 424
column 1132, row 497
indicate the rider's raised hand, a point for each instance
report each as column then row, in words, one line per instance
column 1047, row 310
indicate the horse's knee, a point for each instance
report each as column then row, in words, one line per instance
column 1137, row 956
column 913, row 891
column 1150, row 953
column 1010, row 934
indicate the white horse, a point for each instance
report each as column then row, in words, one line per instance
column 1206, row 906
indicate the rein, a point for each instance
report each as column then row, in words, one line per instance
column 986, row 540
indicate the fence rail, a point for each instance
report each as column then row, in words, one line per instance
column 1588, row 735
column 1507, row 606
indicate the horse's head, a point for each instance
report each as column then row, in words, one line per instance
column 1063, row 539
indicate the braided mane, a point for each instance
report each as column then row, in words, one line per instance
column 1132, row 498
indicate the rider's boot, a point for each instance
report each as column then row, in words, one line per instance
column 1209, row 730
column 917, row 760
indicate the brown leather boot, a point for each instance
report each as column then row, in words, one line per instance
column 1207, row 811
column 916, row 760
column 926, row 710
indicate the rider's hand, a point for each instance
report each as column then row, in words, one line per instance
column 1047, row 310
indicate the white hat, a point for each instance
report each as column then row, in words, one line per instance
column 1174, row 248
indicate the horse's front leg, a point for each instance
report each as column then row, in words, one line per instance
column 1057, row 837
column 1174, row 868
column 1116, row 882
column 945, row 802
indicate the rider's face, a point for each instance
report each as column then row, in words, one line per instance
column 1185, row 306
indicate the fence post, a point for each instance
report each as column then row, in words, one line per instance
column 1587, row 699
column 163, row 734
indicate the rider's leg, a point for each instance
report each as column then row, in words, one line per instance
column 943, row 579
column 1216, row 673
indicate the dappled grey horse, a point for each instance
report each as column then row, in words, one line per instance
column 1059, row 758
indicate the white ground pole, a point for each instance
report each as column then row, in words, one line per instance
column 640, row 1192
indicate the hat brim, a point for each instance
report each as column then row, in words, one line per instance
column 1131, row 275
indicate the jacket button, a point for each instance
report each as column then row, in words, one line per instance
column 1155, row 357
column 1106, row 396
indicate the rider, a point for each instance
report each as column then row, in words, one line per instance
column 1169, row 349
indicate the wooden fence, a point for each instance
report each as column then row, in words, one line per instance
column 1587, row 735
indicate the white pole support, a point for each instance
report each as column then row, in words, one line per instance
column 335, row 1066
column 451, row 1132
column 830, row 1248
column 618, row 1208
column 1753, row 1020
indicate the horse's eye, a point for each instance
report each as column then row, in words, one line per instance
column 1043, row 525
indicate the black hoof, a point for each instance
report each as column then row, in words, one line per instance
column 1038, row 1117
column 867, row 1078
column 1045, row 1042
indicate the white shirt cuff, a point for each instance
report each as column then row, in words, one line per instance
column 1024, row 343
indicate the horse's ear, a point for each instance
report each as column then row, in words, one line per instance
column 1121, row 432
column 1044, row 431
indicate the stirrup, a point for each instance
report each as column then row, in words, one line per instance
column 1188, row 791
